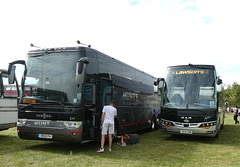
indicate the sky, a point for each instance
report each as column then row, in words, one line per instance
column 147, row 34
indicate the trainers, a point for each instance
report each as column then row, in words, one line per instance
column 109, row 150
column 101, row 150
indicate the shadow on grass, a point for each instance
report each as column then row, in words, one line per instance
column 62, row 148
column 65, row 148
column 5, row 138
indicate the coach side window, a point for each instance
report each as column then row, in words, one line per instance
column 92, row 67
column 108, row 65
column 90, row 95
column 128, row 72
column 106, row 92
column 9, row 90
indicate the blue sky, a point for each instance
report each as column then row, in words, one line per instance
column 148, row 34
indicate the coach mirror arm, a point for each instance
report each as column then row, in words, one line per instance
column 12, row 68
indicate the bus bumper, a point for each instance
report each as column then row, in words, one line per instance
column 195, row 129
column 62, row 131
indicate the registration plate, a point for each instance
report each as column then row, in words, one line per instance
column 45, row 136
column 186, row 132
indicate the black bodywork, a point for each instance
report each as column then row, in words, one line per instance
column 106, row 79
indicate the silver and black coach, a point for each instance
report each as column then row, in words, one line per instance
column 192, row 102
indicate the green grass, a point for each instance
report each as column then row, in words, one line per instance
column 154, row 149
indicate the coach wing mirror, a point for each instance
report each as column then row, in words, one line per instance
column 219, row 81
column 158, row 85
column 219, row 85
column 155, row 87
column 80, row 69
column 11, row 75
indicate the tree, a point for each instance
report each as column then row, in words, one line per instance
column 232, row 94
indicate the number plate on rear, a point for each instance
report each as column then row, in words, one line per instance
column 186, row 132
column 45, row 136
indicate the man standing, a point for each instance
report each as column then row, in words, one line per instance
column 235, row 117
column 108, row 115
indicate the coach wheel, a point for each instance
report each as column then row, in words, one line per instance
column 221, row 126
column 157, row 123
column 217, row 134
column 217, row 130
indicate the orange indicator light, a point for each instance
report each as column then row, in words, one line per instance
column 29, row 101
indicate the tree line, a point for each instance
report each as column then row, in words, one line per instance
column 232, row 94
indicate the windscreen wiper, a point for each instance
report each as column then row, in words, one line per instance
column 58, row 102
column 28, row 105
column 25, row 106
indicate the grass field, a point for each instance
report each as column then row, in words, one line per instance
column 154, row 149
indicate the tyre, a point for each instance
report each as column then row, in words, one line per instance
column 221, row 126
column 217, row 134
column 157, row 123
column 222, row 123
column 218, row 130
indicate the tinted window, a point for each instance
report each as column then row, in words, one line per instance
column 92, row 67
column 128, row 72
column 9, row 90
column 150, row 80
column 129, row 84
column 90, row 95
column 189, row 87
column 108, row 65
column 53, row 75
column 27, row 88
column 106, row 92
column 141, row 77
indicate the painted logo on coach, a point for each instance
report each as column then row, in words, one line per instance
column 185, row 72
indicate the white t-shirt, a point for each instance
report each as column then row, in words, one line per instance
column 110, row 112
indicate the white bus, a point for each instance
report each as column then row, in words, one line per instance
column 8, row 101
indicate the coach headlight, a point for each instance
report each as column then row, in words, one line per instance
column 72, row 124
column 207, row 125
column 168, row 123
column 21, row 122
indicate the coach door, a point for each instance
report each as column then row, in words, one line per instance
column 106, row 91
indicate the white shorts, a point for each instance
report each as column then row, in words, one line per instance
column 107, row 127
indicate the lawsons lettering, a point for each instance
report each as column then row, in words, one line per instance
column 190, row 72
